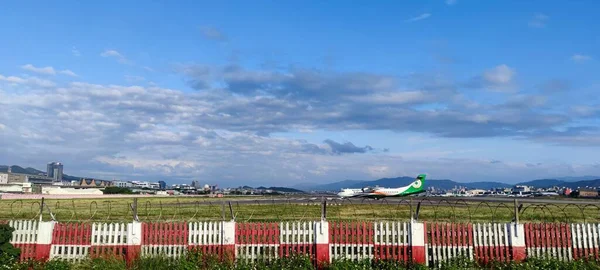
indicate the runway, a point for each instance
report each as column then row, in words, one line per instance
column 457, row 201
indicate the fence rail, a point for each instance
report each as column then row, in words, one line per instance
column 323, row 241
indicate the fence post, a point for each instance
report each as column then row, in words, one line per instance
column 228, row 234
column 516, row 219
column 322, row 256
column 42, row 209
column 517, row 241
column 134, row 209
column 44, row 240
column 417, row 242
column 134, row 241
column 323, row 209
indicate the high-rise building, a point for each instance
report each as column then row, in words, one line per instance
column 162, row 185
column 55, row 170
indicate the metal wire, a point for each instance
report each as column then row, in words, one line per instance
column 302, row 209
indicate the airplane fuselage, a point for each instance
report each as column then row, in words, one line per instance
column 414, row 188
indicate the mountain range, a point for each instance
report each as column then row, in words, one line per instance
column 571, row 182
column 29, row 170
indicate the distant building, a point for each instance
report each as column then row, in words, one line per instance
column 522, row 189
column 94, row 183
column 122, row 184
column 41, row 180
column 154, row 185
column 162, row 184
column 476, row 192
column 588, row 193
column 55, row 170
column 195, row 184
column 17, row 178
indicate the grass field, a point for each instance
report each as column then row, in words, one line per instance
column 282, row 209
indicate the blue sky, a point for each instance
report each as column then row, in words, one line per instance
column 272, row 92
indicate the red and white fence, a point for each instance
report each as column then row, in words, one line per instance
column 426, row 243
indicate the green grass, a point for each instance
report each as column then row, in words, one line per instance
column 263, row 210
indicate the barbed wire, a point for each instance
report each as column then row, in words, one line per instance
column 300, row 209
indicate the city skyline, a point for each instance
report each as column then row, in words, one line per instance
column 283, row 93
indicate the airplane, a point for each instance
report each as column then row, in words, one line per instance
column 377, row 193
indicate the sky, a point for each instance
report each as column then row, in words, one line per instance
column 280, row 93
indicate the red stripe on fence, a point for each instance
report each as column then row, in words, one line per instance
column 256, row 233
column 27, row 251
column 72, row 234
column 547, row 235
column 351, row 233
column 165, row 233
column 547, row 238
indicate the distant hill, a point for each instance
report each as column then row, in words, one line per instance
column 546, row 183
column 571, row 182
column 578, row 178
column 19, row 169
column 282, row 189
column 405, row 180
column 33, row 171
column 543, row 183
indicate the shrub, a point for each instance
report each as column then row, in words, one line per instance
column 117, row 190
column 8, row 253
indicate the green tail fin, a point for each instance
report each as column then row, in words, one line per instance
column 418, row 185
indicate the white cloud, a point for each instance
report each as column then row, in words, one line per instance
column 30, row 81
column 12, row 79
column 501, row 74
column 585, row 111
column 399, row 97
column 221, row 133
column 499, row 78
column 451, row 2
column 114, row 54
column 75, row 52
column 539, row 20
column 2, row 127
column 133, row 78
column 40, row 70
column 210, row 32
column 420, row 17
column 580, row 58
column 47, row 70
column 69, row 73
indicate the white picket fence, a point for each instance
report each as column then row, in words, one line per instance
column 25, row 237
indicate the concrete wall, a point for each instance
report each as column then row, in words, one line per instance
column 3, row 178
column 71, row 191
column 11, row 188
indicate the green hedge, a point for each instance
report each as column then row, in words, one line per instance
column 199, row 261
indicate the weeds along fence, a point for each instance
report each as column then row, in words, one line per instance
column 301, row 209
column 429, row 243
